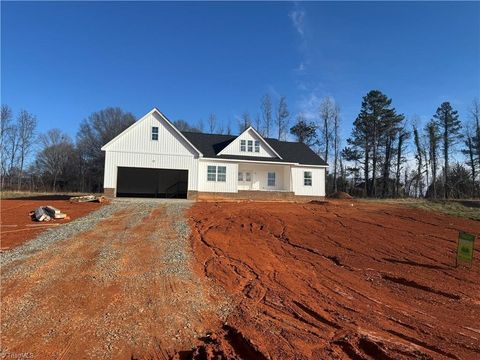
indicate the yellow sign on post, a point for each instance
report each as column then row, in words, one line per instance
column 465, row 248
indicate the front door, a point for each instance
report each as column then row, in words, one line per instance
column 245, row 180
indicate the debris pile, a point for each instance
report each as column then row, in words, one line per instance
column 88, row 198
column 46, row 213
column 340, row 195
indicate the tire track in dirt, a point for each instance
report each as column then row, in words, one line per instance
column 340, row 281
column 122, row 289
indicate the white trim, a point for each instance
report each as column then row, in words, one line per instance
column 264, row 162
column 150, row 153
column 259, row 136
column 315, row 166
column 151, row 112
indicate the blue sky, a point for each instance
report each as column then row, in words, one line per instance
column 65, row 60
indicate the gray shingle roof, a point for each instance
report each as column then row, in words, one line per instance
column 292, row 152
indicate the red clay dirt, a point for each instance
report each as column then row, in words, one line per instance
column 342, row 280
column 14, row 215
column 120, row 290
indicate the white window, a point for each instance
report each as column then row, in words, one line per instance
column 257, row 146
column 240, row 176
column 155, row 133
column 243, row 145
column 222, row 173
column 250, row 145
column 248, row 176
column 211, row 173
column 271, row 179
column 216, row 173
column 307, row 178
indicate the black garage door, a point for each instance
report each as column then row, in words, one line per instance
column 158, row 183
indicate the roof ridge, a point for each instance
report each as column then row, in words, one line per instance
column 236, row 135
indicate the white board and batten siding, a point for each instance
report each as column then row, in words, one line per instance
column 248, row 135
column 135, row 148
column 230, row 183
column 318, row 181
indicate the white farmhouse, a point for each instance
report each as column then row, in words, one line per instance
column 152, row 158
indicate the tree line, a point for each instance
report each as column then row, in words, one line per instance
column 376, row 152
column 386, row 154
column 59, row 163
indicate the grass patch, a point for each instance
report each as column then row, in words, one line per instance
column 453, row 208
column 29, row 194
column 467, row 209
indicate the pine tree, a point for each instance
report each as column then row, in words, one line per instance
column 373, row 131
column 449, row 124
column 304, row 132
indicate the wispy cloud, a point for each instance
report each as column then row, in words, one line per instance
column 309, row 103
column 309, row 106
column 298, row 20
column 301, row 67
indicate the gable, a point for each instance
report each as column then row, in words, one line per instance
column 138, row 138
column 211, row 145
column 249, row 136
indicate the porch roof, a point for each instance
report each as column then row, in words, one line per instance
column 291, row 152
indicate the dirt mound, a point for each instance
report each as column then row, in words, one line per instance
column 317, row 281
column 227, row 343
column 340, row 195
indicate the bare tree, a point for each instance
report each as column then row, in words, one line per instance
column 55, row 154
column 26, row 124
column 282, row 118
column 258, row 125
column 469, row 152
column 12, row 143
column 402, row 137
column 267, row 116
column 336, row 144
column 200, row 125
column 228, row 130
column 475, row 117
column 5, row 128
column 95, row 131
column 212, row 123
column 327, row 118
column 245, row 122
column 182, row 125
column 419, row 159
column 433, row 136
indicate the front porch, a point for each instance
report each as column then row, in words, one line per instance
column 264, row 178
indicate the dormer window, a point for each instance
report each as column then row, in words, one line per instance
column 243, row 145
column 155, row 133
column 257, row 146
column 250, row 146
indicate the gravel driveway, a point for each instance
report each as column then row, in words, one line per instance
column 116, row 284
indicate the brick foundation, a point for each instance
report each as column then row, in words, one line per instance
column 255, row 196
column 192, row 195
column 109, row 192
column 241, row 195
